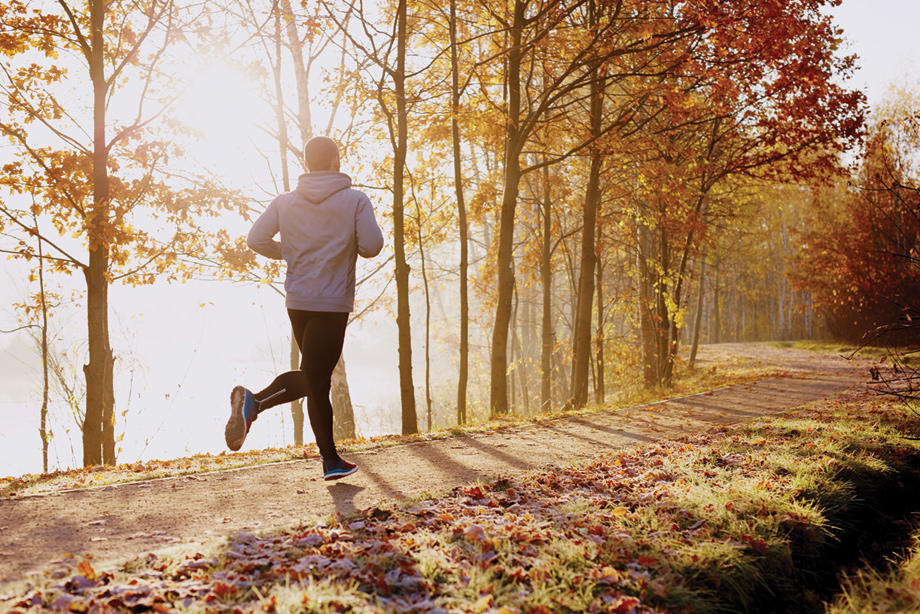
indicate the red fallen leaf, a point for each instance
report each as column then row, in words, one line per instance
column 624, row 604
column 34, row 600
column 757, row 544
column 222, row 590
column 475, row 492
column 596, row 530
column 383, row 587
column 647, row 561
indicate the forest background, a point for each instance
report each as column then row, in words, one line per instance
column 197, row 315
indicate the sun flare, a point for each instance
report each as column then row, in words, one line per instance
column 223, row 105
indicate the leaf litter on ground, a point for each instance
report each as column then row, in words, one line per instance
column 708, row 522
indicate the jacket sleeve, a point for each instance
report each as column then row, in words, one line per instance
column 261, row 237
column 369, row 237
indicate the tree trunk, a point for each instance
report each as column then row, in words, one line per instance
column 581, row 335
column 425, row 286
column 99, row 423
column 546, row 274
column 43, row 414
column 403, row 323
column 463, row 377
column 343, row 412
column 301, row 76
column 716, row 308
column 646, row 314
column 599, row 392
column 498, row 396
column 784, row 299
column 698, row 316
column 296, row 406
column 672, row 332
column 297, row 416
column 519, row 366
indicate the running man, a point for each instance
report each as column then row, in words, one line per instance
column 325, row 225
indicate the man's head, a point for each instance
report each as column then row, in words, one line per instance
column 321, row 154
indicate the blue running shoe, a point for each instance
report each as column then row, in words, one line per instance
column 339, row 468
column 242, row 415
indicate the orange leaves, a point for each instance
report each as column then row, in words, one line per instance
column 86, row 570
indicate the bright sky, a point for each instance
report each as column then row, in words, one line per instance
column 883, row 33
column 179, row 359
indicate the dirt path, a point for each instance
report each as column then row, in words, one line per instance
column 118, row 523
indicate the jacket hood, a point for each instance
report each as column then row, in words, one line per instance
column 317, row 186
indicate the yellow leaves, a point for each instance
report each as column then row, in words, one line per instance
column 620, row 511
column 85, row 569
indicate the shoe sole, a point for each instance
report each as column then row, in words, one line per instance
column 337, row 476
column 235, row 431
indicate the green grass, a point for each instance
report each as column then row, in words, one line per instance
column 748, row 518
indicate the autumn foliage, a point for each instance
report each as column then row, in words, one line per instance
column 576, row 170
column 859, row 257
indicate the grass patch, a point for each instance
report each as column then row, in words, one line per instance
column 894, row 588
column 727, row 371
column 747, row 518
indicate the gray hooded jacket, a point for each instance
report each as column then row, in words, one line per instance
column 325, row 225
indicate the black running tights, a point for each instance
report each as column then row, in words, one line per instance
column 319, row 335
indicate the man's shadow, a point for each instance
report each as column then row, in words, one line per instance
column 343, row 496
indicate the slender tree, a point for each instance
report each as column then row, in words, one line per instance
column 93, row 186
